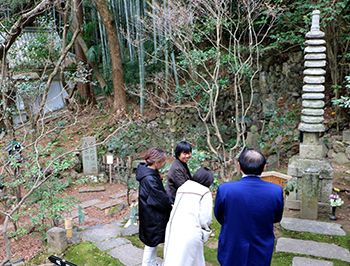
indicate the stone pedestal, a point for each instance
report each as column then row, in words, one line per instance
column 310, row 148
column 296, row 169
column 311, row 151
column 309, row 194
column 57, row 241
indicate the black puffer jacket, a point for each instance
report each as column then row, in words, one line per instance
column 154, row 206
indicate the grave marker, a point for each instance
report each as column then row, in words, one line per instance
column 309, row 195
column 90, row 166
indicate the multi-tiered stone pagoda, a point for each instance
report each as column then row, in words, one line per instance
column 312, row 172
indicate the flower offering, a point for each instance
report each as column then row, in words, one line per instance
column 335, row 200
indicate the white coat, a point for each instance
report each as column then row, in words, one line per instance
column 188, row 226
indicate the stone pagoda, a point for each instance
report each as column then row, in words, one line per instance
column 310, row 170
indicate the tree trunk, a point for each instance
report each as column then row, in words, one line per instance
column 64, row 13
column 84, row 88
column 94, row 67
column 116, row 58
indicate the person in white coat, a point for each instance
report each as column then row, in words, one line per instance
column 188, row 226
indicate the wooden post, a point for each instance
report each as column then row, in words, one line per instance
column 129, row 176
column 117, row 172
column 129, row 162
column 110, row 174
column 68, row 226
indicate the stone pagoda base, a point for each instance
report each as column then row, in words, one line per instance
column 296, row 168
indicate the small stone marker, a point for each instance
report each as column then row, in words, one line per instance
column 91, row 189
column 346, row 135
column 299, row 261
column 252, row 140
column 89, row 155
column 57, row 241
column 309, row 194
column 312, row 248
column 108, row 204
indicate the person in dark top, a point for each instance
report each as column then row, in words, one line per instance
column 154, row 205
column 179, row 172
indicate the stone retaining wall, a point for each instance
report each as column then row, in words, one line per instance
column 165, row 128
column 278, row 85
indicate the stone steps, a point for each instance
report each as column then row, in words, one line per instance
column 316, row 227
column 299, row 261
column 91, row 189
column 108, row 204
column 312, row 248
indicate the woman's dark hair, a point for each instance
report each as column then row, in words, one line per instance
column 184, row 147
column 154, row 155
column 252, row 162
column 204, row 176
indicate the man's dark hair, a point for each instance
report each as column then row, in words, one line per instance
column 252, row 162
column 184, row 147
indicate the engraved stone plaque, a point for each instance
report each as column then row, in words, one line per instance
column 90, row 166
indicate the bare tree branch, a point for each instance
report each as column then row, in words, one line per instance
column 24, row 20
column 195, row 29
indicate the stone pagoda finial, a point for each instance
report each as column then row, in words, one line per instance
column 313, row 90
column 315, row 26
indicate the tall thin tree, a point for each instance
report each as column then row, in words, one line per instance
column 84, row 88
column 109, row 23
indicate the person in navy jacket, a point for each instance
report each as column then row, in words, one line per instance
column 247, row 210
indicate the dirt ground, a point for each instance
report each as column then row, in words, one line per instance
column 28, row 246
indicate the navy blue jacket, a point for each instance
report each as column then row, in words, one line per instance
column 247, row 210
column 154, row 206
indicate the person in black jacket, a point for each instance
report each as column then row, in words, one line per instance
column 154, row 205
column 179, row 173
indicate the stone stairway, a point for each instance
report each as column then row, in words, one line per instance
column 114, row 200
column 305, row 247
column 108, row 237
